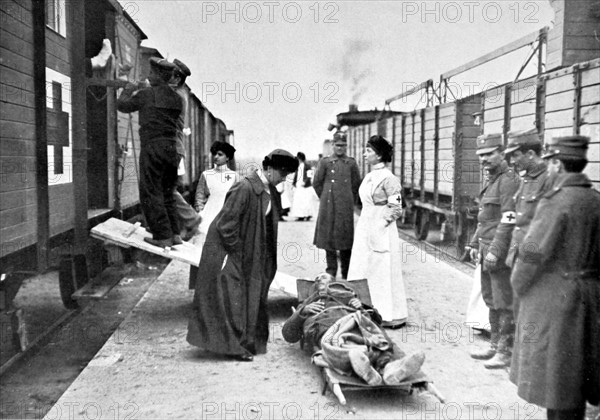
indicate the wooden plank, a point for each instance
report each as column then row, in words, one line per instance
column 19, row 215
column 522, row 123
column 590, row 76
column 593, row 153
column 551, row 133
column 560, row 82
column 522, row 108
column 446, row 155
column 16, row 238
column 15, row 199
column 447, row 110
column 496, row 114
column 16, row 61
column 17, row 79
column 447, row 121
column 578, row 56
column 492, row 127
column 494, row 98
column 592, row 170
column 559, row 102
column 583, row 42
column 525, row 92
column 16, row 45
column 15, row 27
column 559, row 119
column 590, row 114
column 16, row 113
column 591, row 130
column 17, row 147
column 590, row 95
column 127, row 234
column 16, row 95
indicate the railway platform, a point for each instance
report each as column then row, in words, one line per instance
column 148, row 370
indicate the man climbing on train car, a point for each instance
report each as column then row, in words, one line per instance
column 188, row 217
column 489, row 246
column 159, row 109
column 349, row 334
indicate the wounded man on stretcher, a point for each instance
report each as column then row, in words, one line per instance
column 349, row 335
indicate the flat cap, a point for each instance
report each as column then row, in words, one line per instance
column 567, row 148
column 162, row 64
column 517, row 139
column 282, row 160
column 487, row 143
column 182, row 68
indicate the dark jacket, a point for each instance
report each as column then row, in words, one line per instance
column 229, row 314
column 496, row 199
column 160, row 108
column 534, row 185
column 336, row 183
column 556, row 358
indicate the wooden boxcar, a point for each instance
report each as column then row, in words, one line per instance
column 68, row 158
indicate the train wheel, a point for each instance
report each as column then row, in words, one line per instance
column 421, row 224
column 66, row 283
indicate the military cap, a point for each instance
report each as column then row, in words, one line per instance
column 162, row 64
column 282, row 160
column 567, row 148
column 517, row 139
column 339, row 137
column 487, row 143
column 182, row 68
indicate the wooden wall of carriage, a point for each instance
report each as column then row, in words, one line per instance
column 434, row 147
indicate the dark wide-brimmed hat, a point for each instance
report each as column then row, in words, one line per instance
column 182, row 68
column 224, row 147
column 282, row 160
column 487, row 143
column 567, row 148
column 382, row 147
column 522, row 139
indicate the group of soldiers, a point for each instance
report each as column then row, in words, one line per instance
column 538, row 245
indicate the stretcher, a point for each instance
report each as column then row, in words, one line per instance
column 338, row 383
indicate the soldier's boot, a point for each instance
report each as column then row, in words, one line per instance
column 362, row 367
column 397, row 371
column 499, row 361
column 484, row 354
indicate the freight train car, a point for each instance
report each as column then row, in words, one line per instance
column 68, row 159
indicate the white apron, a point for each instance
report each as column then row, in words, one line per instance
column 376, row 253
column 219, row 182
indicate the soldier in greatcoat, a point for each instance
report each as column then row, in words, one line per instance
column 556, row 360
column 524, row 152
column 336, row 183
column 489, row 246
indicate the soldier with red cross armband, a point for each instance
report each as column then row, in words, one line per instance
column 489, row 247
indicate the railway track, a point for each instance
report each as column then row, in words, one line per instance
column 440, row 250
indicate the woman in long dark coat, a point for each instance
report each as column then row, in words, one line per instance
column 238, row 264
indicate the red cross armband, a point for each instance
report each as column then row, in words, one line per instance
column 395, row 200
column 508, row 217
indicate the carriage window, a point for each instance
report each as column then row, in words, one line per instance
column 56, row 16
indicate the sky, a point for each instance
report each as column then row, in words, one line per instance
column 278, row 72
